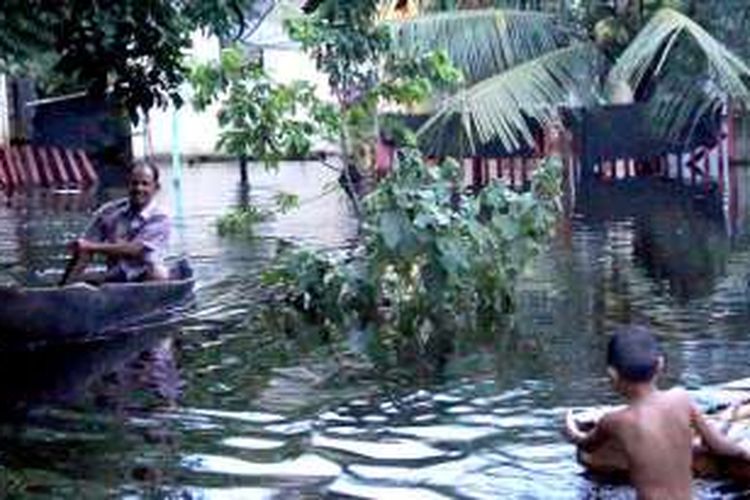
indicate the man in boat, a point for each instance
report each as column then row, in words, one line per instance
column 654, row 431
column 131, row 233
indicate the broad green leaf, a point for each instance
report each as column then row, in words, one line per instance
column 391, row 228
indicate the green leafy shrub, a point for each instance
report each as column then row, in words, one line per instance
column 432, row 261
column 240, row 221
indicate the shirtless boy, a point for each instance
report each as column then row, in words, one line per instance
column 655, row 429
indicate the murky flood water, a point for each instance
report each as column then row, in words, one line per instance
column 220, row 408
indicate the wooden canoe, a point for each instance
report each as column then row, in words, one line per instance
column 29, row 316
column 716, row 401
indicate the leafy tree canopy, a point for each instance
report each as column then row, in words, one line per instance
column 132, row 49
column 523, row 65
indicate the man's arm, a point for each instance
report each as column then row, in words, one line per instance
column 715, row 440
column 118, row 249
column 75, row 267
column 153, row 235
column 83, row 251
column 587, row 441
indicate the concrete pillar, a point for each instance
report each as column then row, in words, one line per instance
column 5, row 134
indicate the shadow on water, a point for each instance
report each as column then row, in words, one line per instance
column 68, row 373
column 679, row 234
column 64, row 415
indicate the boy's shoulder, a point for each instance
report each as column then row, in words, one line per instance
column 677, row 395
column 615, row 419
column 673, row 399
column 677, row 391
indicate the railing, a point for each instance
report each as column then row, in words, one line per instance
column 49, row 167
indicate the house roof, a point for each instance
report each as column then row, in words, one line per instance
column 255, row 15
column 267, row 28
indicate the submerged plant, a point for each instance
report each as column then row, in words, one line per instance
column 240, row 221
column 433, row 262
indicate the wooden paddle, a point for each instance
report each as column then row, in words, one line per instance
column 77, row 262
column 71, row 264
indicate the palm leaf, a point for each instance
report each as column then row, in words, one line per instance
column 677, row 111
column 481, row 43
column 504, row 107
column 645, row 57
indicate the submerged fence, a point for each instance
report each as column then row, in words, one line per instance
column 50, row 167
column 608, row 144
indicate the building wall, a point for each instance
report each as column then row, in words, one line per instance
column 741, row 138
column 196, row 134
column 190, row 132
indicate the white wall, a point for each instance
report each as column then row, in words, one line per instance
column 4, row 111
column 286, row 65
column 197, row 133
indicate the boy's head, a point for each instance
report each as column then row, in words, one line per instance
column 634, row 354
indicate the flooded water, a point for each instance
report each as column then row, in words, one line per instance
column 221, row 408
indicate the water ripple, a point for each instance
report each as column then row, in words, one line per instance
column 383, row 449
column 305, row 466
column 253, row 417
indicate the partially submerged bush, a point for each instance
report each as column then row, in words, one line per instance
column 433, row 261
column 240, row 221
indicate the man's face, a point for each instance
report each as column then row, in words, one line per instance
column 142, row 186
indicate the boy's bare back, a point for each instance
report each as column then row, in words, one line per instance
column 655, row 430
column 655, row 434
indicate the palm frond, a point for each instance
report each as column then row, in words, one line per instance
column 481, row 43
column 645, row 56
column 504, row 107
column 677, row 111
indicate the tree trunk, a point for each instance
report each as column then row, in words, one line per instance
column 243, row 170
column 346, row 174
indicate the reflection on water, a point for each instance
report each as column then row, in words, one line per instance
column 225, row 409
column 677, row 238
column 108, row 371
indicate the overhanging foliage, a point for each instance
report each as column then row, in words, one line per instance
column 481, row 43
column 504, row 106
column 131, row 49
column 722, row 77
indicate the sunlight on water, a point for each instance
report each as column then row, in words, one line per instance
column 391, row 449
column 228, row 493
column 252, row 443
column 245, row 416
column 353, row 488
column 303, row 466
